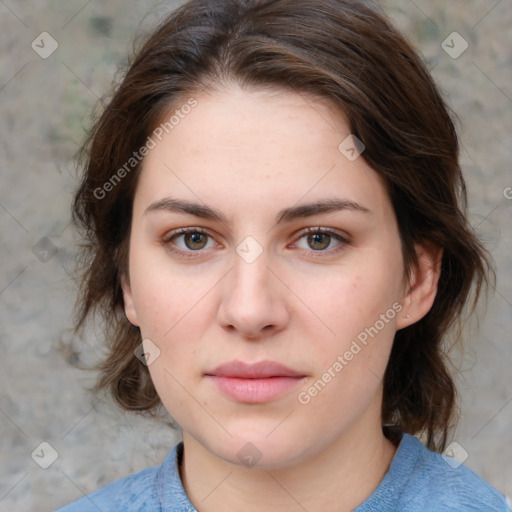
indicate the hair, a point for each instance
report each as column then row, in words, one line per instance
column 348, row 53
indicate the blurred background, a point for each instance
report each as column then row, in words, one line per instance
column 57, row 60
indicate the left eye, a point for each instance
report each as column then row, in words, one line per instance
column 319, row 240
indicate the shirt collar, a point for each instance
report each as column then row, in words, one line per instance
column 173, row 497
column 169, row 487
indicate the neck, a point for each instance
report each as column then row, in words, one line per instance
column 347, row 472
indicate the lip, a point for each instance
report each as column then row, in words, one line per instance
column 260, row 370
column 254, row 383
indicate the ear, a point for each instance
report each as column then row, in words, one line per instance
column 422, row 286
column 129, row 306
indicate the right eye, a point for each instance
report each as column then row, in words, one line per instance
column 192, row 240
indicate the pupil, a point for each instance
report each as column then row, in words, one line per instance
column 317, row 239
column 195, row 238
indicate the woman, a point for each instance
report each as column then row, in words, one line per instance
column 278, row 242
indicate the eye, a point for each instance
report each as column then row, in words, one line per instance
column 188, row 240
column 320, row 240
column 191, row 242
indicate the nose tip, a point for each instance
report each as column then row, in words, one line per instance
column 253, row 301
column 250, row 330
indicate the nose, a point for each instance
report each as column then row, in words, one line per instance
column 254, row 300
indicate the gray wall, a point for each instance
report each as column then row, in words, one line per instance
column 45, row 105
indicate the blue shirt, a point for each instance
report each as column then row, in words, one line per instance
column 417, row 480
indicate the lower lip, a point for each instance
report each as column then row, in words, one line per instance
column 254, row 391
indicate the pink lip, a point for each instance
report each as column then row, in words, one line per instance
column 261, row 370
column 254, row 383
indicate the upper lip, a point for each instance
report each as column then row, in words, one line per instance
column 260, row 370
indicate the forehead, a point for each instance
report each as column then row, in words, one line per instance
column 265, row 145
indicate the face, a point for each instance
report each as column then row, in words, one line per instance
column 272, row 316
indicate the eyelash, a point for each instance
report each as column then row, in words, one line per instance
column 308, row 231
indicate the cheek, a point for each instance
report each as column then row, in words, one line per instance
column 351, row 302
column 351, row 361
column 163, row 296
column 358, row 310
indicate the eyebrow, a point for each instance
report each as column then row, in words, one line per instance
column 286, row 215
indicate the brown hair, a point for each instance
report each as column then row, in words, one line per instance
column 347, row 52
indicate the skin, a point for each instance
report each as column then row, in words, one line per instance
column 250, row 154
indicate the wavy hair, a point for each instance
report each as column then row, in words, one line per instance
column 344, row 51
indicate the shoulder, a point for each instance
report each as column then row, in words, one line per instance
column 420, row 480
column 438, row 483
column 151, row 490
column 130, row 494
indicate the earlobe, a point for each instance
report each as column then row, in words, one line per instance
column 422, row 286
column 129, row 306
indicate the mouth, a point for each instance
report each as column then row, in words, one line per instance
column 254, row 383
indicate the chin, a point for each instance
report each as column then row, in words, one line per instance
column 256, row 449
